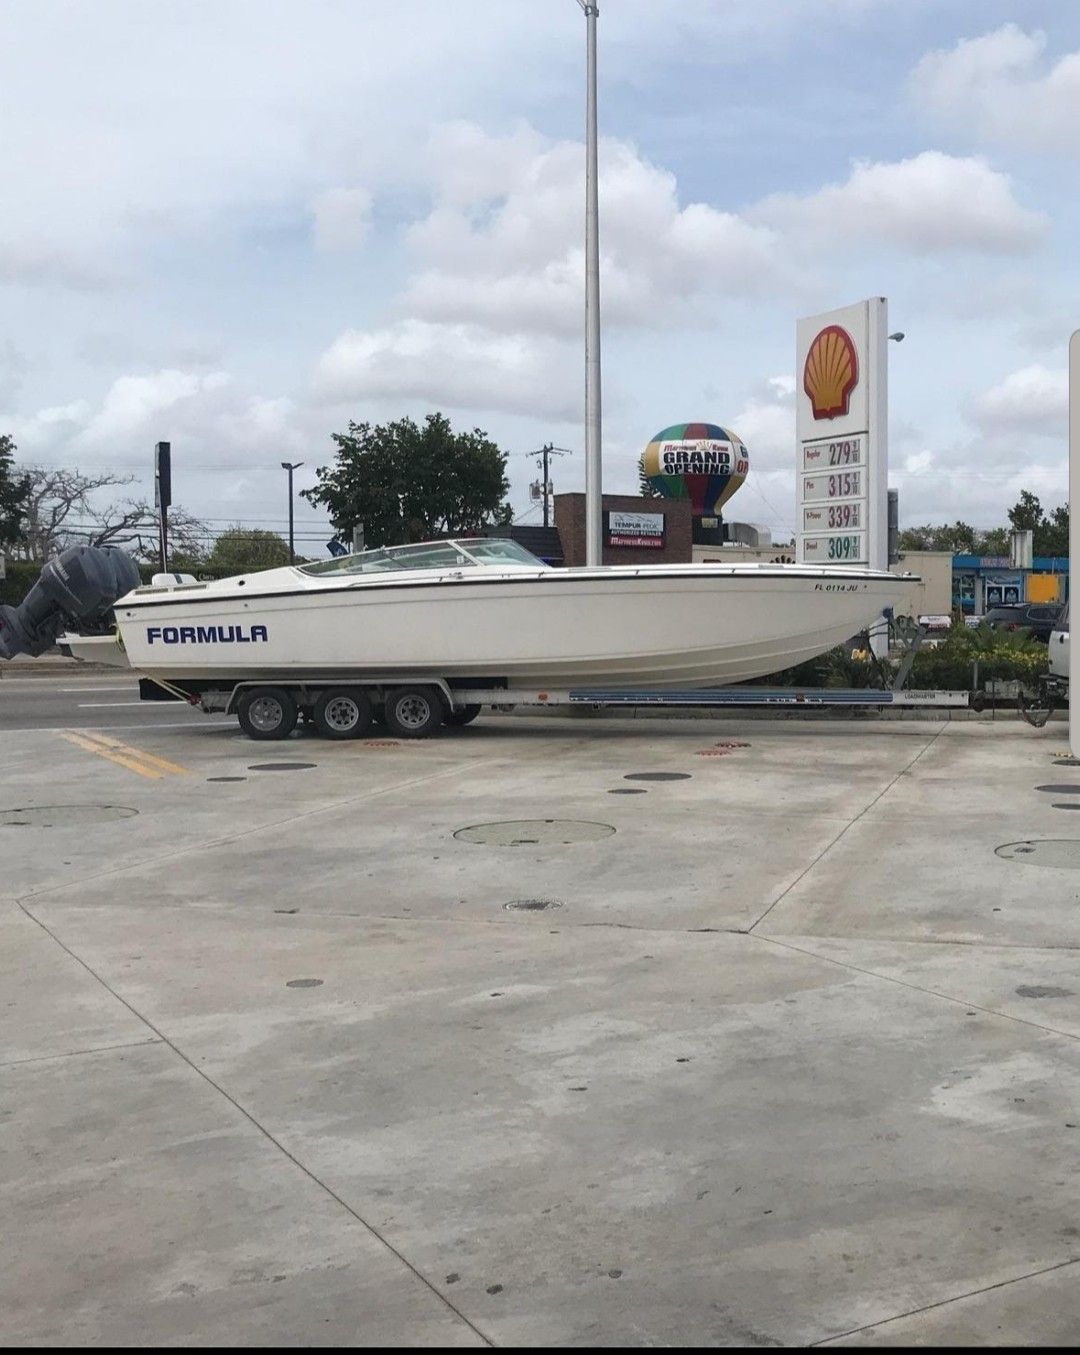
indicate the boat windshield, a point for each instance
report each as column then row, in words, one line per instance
column 489, row 551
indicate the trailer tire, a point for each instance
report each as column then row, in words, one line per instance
column 414, row 712
column 342, row 713
column 462, row 715
column 267, row 713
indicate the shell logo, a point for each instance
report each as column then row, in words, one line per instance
column 831, row 372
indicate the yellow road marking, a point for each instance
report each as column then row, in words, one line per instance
column 133, row 759
column 117, row 746
column 118, row 758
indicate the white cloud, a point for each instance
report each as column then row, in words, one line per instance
column 341, row 218
column 453, row 365
column 999, row 87
column 502, row 245
column 39, row 263
column 1034, row 399
column 930, row 203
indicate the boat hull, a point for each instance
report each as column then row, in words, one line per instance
column 630, row 630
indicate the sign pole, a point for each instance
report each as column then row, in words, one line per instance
column 593, row 471
column 163, row 498
column 1074, row 533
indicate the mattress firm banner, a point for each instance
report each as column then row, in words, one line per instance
column 841, row 479
column 643, row 530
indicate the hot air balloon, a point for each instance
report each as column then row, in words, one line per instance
column 701, row 462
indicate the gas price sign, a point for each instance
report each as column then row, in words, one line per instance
column 847, row 548
column 841, row 432
column 833, row 516
column 839, row 452
column 844, row 484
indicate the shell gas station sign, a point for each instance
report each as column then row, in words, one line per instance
column 841, row 427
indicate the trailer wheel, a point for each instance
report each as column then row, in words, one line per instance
column 414, row 712
column 267, row 713
column 342, row 713
column 462, row 715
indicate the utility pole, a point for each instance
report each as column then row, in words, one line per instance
column 544, row 455
column 290, row 466
column 593, row 468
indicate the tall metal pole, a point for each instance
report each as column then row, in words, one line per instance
column 290, row 466
column 545, row 453
column 1074, row 539
column 593, row 469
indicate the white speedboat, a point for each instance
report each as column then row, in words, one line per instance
column 484, row 612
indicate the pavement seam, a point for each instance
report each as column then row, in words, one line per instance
column 850, row 824
column 261, row 1128
column 944, row 1303
column 914, row 987
column 76, row 1053
column 250, row 832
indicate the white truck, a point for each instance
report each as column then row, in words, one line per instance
column 1059, row 647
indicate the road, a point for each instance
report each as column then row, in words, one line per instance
column 96, row 701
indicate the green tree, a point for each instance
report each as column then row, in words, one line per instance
column 406, row 483
column 1050, row 533
column 14, row 493
column 958, row 538
column 240, row 549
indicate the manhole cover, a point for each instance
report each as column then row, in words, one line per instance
column 657, row 776
column 280, row 766
column 63, row 816
column 1061, row 853
column 1067, row 762
column 1060, row 790
column 226, row 778
column 628, row 790
column 535, row 832
column 1062, row 805
column 1030, row 990
column 531, row 905
column 304, row 983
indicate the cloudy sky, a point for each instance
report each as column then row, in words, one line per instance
column 237, row 224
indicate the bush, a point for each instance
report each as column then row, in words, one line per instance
column 1006, row 655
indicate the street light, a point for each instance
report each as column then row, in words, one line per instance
column 593, row 473
column 290, row 466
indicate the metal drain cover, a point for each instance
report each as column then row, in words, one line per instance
column 1061, row 790
column 531, row 905
column 1061, row 853
column 280, row 766
column 226, row 778
column 63, row 816
column 628, row 790
column 535, row 832
column 657, row 776
column 1042, row 990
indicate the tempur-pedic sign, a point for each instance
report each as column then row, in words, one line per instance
column 635, row 529
column 841, row 474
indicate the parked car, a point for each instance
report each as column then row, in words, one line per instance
column 1037, row 617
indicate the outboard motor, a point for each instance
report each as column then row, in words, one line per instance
column 77, row 589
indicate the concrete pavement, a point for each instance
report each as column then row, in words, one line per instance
column 789, row 1057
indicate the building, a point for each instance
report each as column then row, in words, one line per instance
column 984, row 581
column 636, row 530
